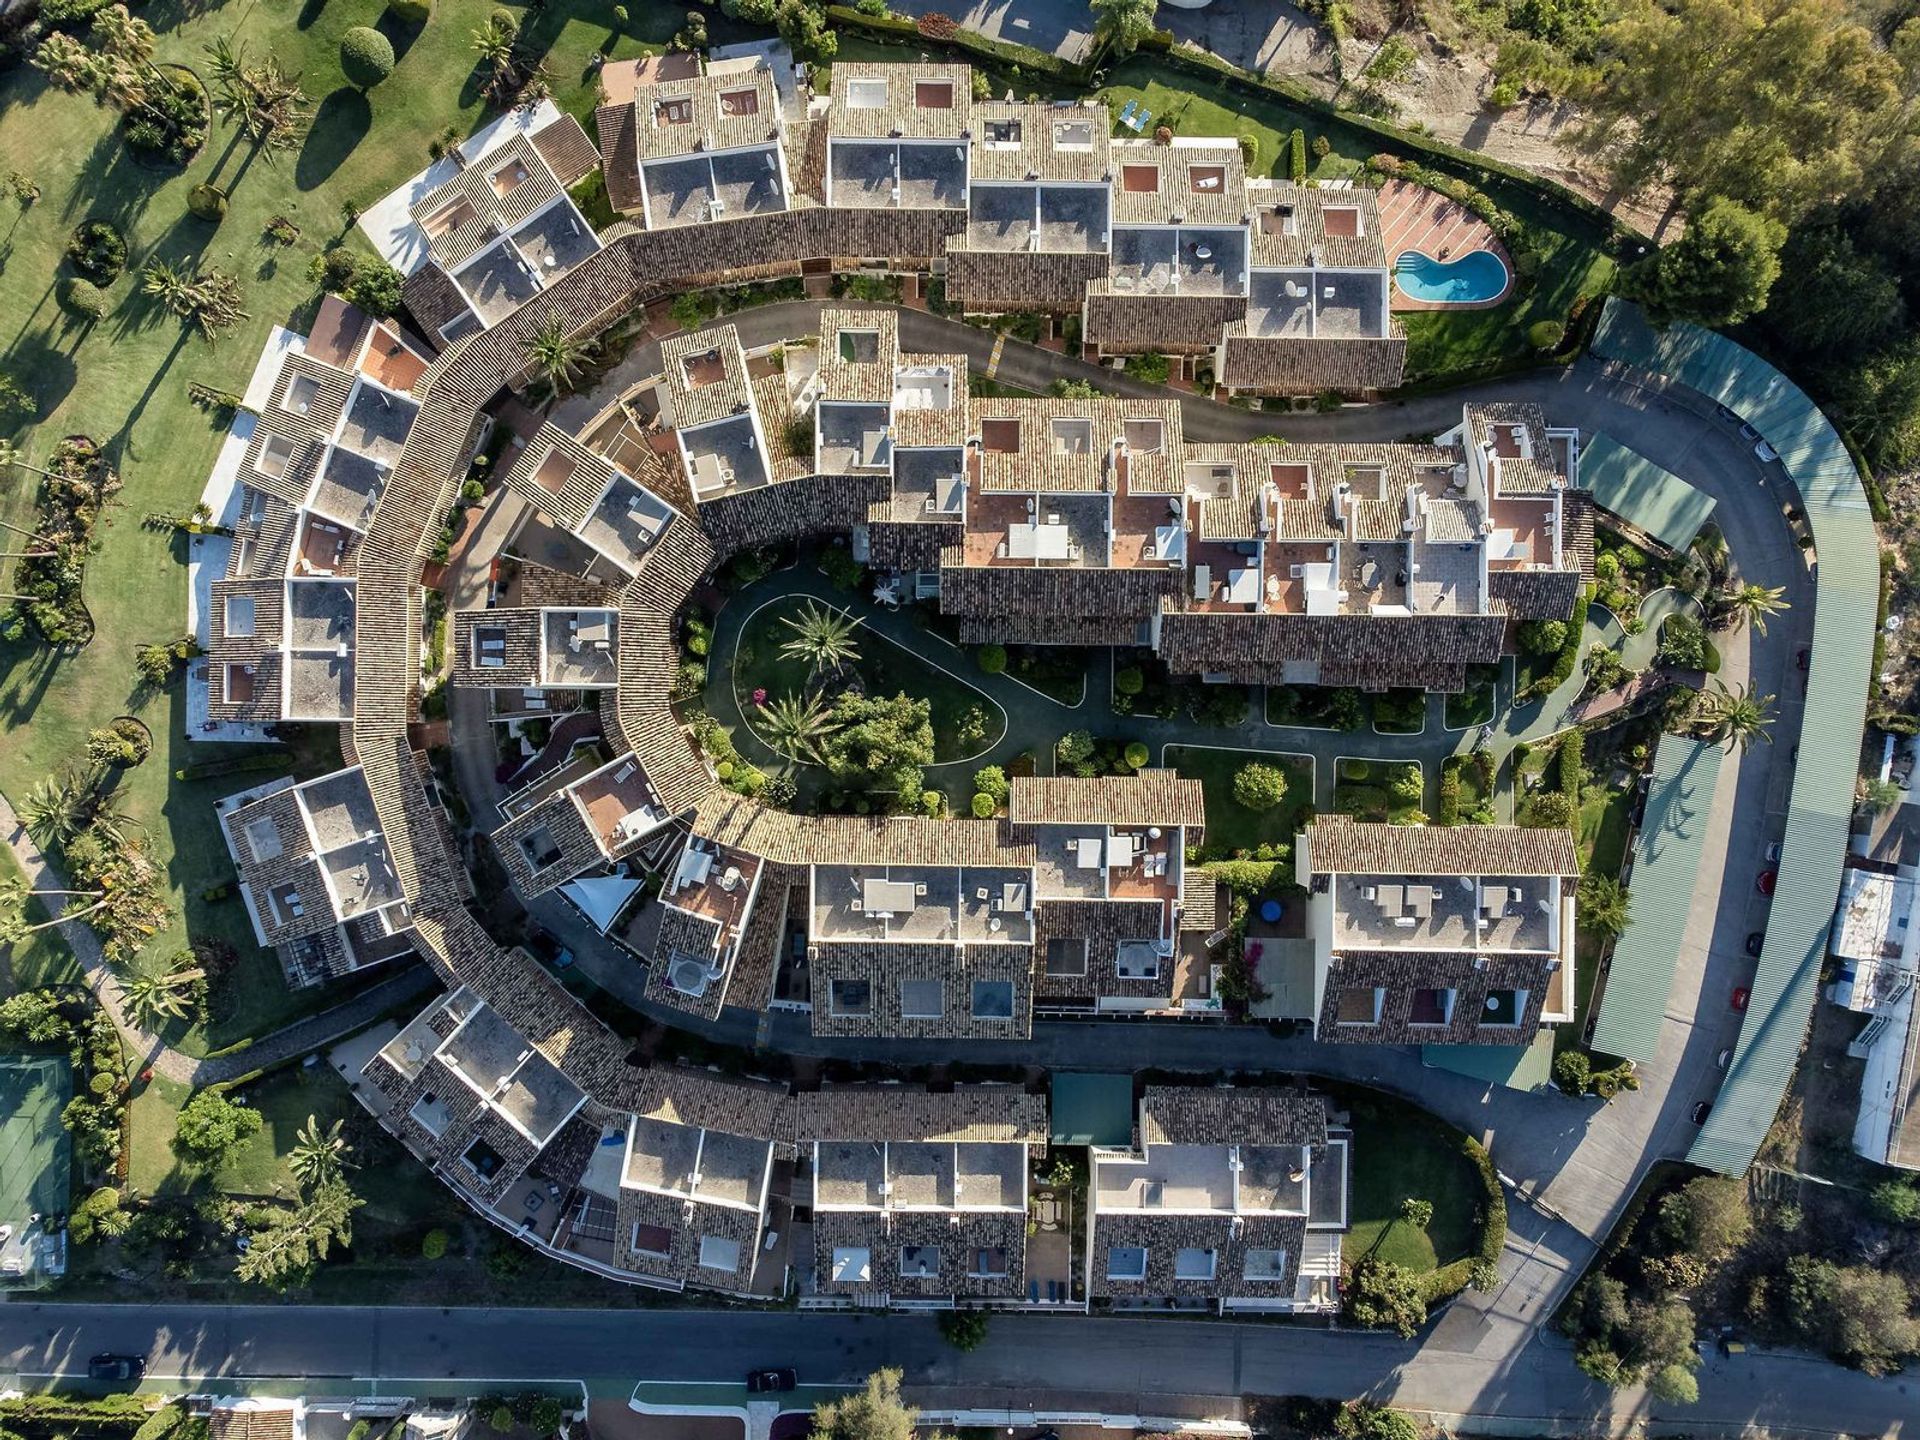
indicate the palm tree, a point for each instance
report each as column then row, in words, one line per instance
column 318, row 1155
column 555, row 356
column 13, row 910
column 1752, row 603
column 55, row 809
column 1737, row 717
column 495, row 44
column 797, row 726
column 152, row 1000
column 11, row 457
column 1605, row 905
column 263, row 100
column 67, row 64
column 823, row 637
column 169, row 285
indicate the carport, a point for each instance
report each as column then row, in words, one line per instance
column 1654, row 501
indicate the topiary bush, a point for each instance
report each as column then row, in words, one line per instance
column 366, row 57
column 1546, row 335
column 1137, row 756
column 82, row 299
column 984, row 806
column 97, row 251
column 411, row 12
column 207, row 202
column 433, row 1245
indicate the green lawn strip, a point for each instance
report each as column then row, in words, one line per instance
column 1401, row 1152
column 42, row 958
column 885, row 669
column 1474, row 705
column 152, row 1167
column 1231, row 826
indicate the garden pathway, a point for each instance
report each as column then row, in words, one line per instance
column 153, row 1051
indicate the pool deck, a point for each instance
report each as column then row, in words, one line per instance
column 1414, row 218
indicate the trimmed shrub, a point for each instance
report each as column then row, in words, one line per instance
column 984, row 806
column 1297, row 156
column 1129, row 680
column 1546, row 335
column 82, row 298
column 98, row 251
column 1259, row 786
column 433, row 1245
column 411, row 12
column 207, row 202
column 1137, row 755
column 366, row 57
column 991, row 658
column 991, row 781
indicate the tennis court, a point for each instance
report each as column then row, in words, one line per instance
column 34, row 1153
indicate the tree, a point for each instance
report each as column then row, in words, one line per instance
column 1674, row 1384
column 318, row 1155
column 210, row 299
column 797, row 725
column 992, row 659
column 1718, row 273
column 262, row 100
column 881, row 744
column 1604, row 904
column 1364, row 1420
column 1416, row 1212
column 1545, row 809
column 67, row 63
column 291, row 1245
column 1543, row 637
column 1073, row 753
column 366, row 57
column 1385, row 1296
column 1125, row 23
column 210, row 1127
column 1776, row 104
column 54, row 810
column 376, row 288
column 1858, row 1314
column 1753, row 603
column 1883, row 795
column 1737, row 718
column 1259, row 786
column 153, row 999
column 822, row 636
column 964, row 1329
column 34, row 1016
column 1879, row 404
column 1896, row 1201
column 1835, row 300
column 991, row 780
column 497, row 45
column 1572, row 1071
column 1683, row 643
column 16, row 406
column 1706, row 1218
column 875, row 1413
column 555, row 357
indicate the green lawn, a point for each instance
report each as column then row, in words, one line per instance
column 41, row 958
column 1402, row 1152
column 1473, row 705
column 885, row 669
column 1364, row 789
column 124, row 379
column 1231, row 826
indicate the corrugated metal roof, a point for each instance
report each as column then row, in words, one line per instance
column 1518, row 1067
column 1846, row 607
column 1642, row 493
column 1667, row 858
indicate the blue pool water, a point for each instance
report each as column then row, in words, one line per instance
column 1476, row 276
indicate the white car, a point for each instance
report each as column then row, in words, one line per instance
column 1766, row 453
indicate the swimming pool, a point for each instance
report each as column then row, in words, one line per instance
column 1475, row 277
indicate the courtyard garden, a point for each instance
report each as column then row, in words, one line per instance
column 1379, row 790
column 1235, row 829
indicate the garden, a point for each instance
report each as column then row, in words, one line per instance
column 1316, row 707
column 1380, row 790
column 1263, row 830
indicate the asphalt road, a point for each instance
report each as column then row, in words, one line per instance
column 1027, row 1361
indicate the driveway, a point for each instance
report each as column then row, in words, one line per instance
column 1058, row 27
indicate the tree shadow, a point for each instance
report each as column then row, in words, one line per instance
column 399, row 34
column 341, row 123
column 310, row 11
column 44, row 371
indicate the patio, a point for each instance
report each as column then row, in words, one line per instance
column 1416, row 219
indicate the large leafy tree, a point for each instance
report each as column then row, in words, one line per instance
column 881, row 744
column 1718, row 273
column 1127, row 22
column 874, row 1413
column 289, row 1248
column 1604, row 905
column 210, row 1127
column 1776, row 104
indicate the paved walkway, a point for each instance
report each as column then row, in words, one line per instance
column 299, row 1038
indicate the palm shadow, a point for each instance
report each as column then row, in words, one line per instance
column 341, row 123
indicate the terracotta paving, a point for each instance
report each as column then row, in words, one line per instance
column 1414, row 218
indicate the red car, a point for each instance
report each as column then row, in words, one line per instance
column 1766, row 881
column 1740, row 998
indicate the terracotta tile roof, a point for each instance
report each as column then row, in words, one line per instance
column 1102, row 926
column 849, row 376
column 976, row 1114
column 1275, row 248
column 1149, row 797
column 855, row 840
column 1340, row 845
column 1020, row 280
column 1401, row 972
column 711, row 123
column 901, row 114
column 1535, row 594
column 955, row 1239
column 567, row 150
column 618, row 129
column 480, row 210
column 1125, row 322
column 256, row 1420
column 882, row 967
column 1303, row 365
column 1050, row 144
column 1050, row 630
column 1255, row 647
column 729, row 393
column 1231, row 1115
column 1537, row 475
column 989, row 591
column 1222, row 201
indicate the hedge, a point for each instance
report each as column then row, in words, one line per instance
column 1297, row 157
column 1570, row 759
column 1569, row 655
column 1449, row 1280
column 1448, row 812
column 239, row 765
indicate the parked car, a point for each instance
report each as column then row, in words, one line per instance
column 1754, row 941
column 776, row 1381
column 1766, row 881
column 1730, row 416
column 1739, row 1001
column 1720, row 1060
column 1747, row 432
column 1801, row 655
column 1701, row 1111
column 1765, row 453
column 1773, row 853
column 108, row 1366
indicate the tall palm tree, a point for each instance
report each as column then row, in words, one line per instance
column 1605, row 906
column 318, row 1155
column 797, row 726
column 169, row 285
column 823, row 637
column 1753, row 603
column 556, row 357
column 67, row 64
column 54, row 809
column 12, row 457
column 13, row 910
column 263, row 100
column 154, row 999
column 1737, row 718
column 497, row 46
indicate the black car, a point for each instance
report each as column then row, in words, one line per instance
column 770, row 1382
column 1755, row 941
column 1701, row 1111
column 107, row 1366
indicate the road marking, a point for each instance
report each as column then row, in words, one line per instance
column 993, row 360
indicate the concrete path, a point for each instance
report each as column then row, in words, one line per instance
column 151, row 1051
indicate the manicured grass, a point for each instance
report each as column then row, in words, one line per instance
column 42, row 958
column 1368, row 794
column 1402, row 1152
column 152, row 1167
column 1604, row 813
column 1231, row 827
column 885, row 669
column 1473, row 705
